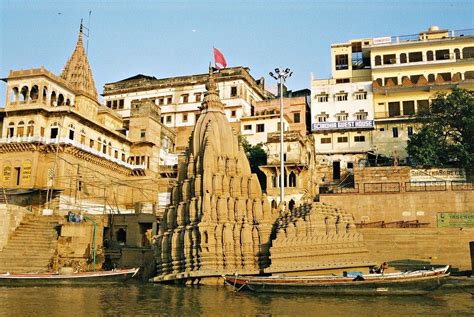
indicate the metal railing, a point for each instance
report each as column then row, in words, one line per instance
column 388, row 187
column 425, row 186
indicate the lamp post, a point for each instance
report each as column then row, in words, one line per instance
column 281, row 74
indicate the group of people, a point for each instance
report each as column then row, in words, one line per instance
column 378, row 269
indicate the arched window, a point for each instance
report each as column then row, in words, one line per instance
column 99, row 144
column 378, row 60
column 68, row 102
column 34, row 93
column 24, row 94
column 291, row 205
column 104, row 147
column 457, row 53
column 20, row 129
column 31, row 128
column 53, row 99
column 431, row 78
column 429, row 56
column 292, row 179
column 45, row 94
column 110, row 149
column 11, row 130
column 60, row 100
column 403, row 58
column 14, row 95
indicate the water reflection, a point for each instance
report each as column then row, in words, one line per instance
column 166, row 300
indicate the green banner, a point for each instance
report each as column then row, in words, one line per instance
column 455, row 219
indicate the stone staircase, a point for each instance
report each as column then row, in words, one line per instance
column 32, row 245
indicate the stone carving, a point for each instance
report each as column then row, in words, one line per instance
column 219, row 222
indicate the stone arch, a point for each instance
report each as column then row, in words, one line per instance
column 24, row 93
column 53, row 99
column 20, row 129
column 14, row 95
column 30, row 128
column 292, row 179
column 60, row 100
column 34, row 93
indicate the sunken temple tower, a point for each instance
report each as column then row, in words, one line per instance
column 218, row 221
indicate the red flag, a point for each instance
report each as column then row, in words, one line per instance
column 219, row 59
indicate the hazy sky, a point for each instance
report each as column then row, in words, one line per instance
column 173, row 38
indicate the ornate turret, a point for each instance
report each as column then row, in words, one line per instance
column 77, row 71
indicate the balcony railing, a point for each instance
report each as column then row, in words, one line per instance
column 44, row 140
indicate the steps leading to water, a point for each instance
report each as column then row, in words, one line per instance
column 31, row 247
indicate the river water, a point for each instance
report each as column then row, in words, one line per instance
column 167, row 300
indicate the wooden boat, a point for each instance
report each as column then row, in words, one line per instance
column 118, row 275
column 408, row 283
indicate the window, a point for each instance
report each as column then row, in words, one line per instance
column 415, row 57
column 325, row 140
column 389, row 59
column 322, row 118
column 410, row 131
column 431, row 78
column 296, row 117
column 109, row 103
column 378, row 60
column 184, row 98
column 247, row 127
column 414, row 78
column 91, row 143
column 168, row 119
column 185, row 117
column 233, row 91
column 360, row 95
column 408, row 108
column 342, row 139
column 359, row 138
column 423, row 105
column 114, row 104
column 169, row 100
column 197, row 97
column 71, row 134
column 468, row 52
column 261, row 127
column 469, row 74
column 83, row 139
column 382, row 129
column 341, row 97
column 142, row 133
column 429, row 55
column 442, row 54
column 341, row 117
column 403, row 58
column 445, row 76
column 121, row 104
column 361, row 115
column 322, row 98
column 395, row 132
column 233, row 113
column 342, row 62
column 116, row 154
column 161, row 101
column 394, row 109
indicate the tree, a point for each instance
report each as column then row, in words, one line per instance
column 257, row 157
column 446, row 137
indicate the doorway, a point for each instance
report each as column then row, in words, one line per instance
column 336, row 170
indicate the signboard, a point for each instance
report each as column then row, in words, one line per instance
column 455, row 219
column 26, row 171
column 338, row 125
column 437, row 175
column 7, row 173
column 381, row 40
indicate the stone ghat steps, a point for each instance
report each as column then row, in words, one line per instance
column 32, row 245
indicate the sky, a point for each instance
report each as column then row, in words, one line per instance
column 175, row 38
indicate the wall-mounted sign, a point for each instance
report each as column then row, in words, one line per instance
column 26, row 170
column 7, row 173
column 437, row 175
column 343, row 125
column 381, row 40
column 455, row 219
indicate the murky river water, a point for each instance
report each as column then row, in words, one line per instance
column 164, row 300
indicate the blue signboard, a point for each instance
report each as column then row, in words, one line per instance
column 343, row 125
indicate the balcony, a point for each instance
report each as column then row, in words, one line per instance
column 422, row 84
column 66, row 141
column 390, row 116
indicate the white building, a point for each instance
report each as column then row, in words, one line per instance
column 256, row 128
column 342, row 121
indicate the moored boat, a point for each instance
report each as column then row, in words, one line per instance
column 118, row 275
column 402, row 283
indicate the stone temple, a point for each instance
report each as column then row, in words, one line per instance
column 219, row 222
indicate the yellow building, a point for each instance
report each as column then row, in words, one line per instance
column 406, row 73
column 61, row 150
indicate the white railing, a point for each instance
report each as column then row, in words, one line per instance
column 44, row 140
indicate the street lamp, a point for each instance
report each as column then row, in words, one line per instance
column 281, row 74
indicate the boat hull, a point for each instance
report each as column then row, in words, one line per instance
column 400, row 284
column 116, row 276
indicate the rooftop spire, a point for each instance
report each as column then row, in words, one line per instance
column 211, row 101
column 77, row 71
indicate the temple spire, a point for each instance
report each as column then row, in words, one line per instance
column 211, row 101
column 77, row 71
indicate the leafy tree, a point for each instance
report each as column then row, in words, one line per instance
column 257, row 157
column 446, row 136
